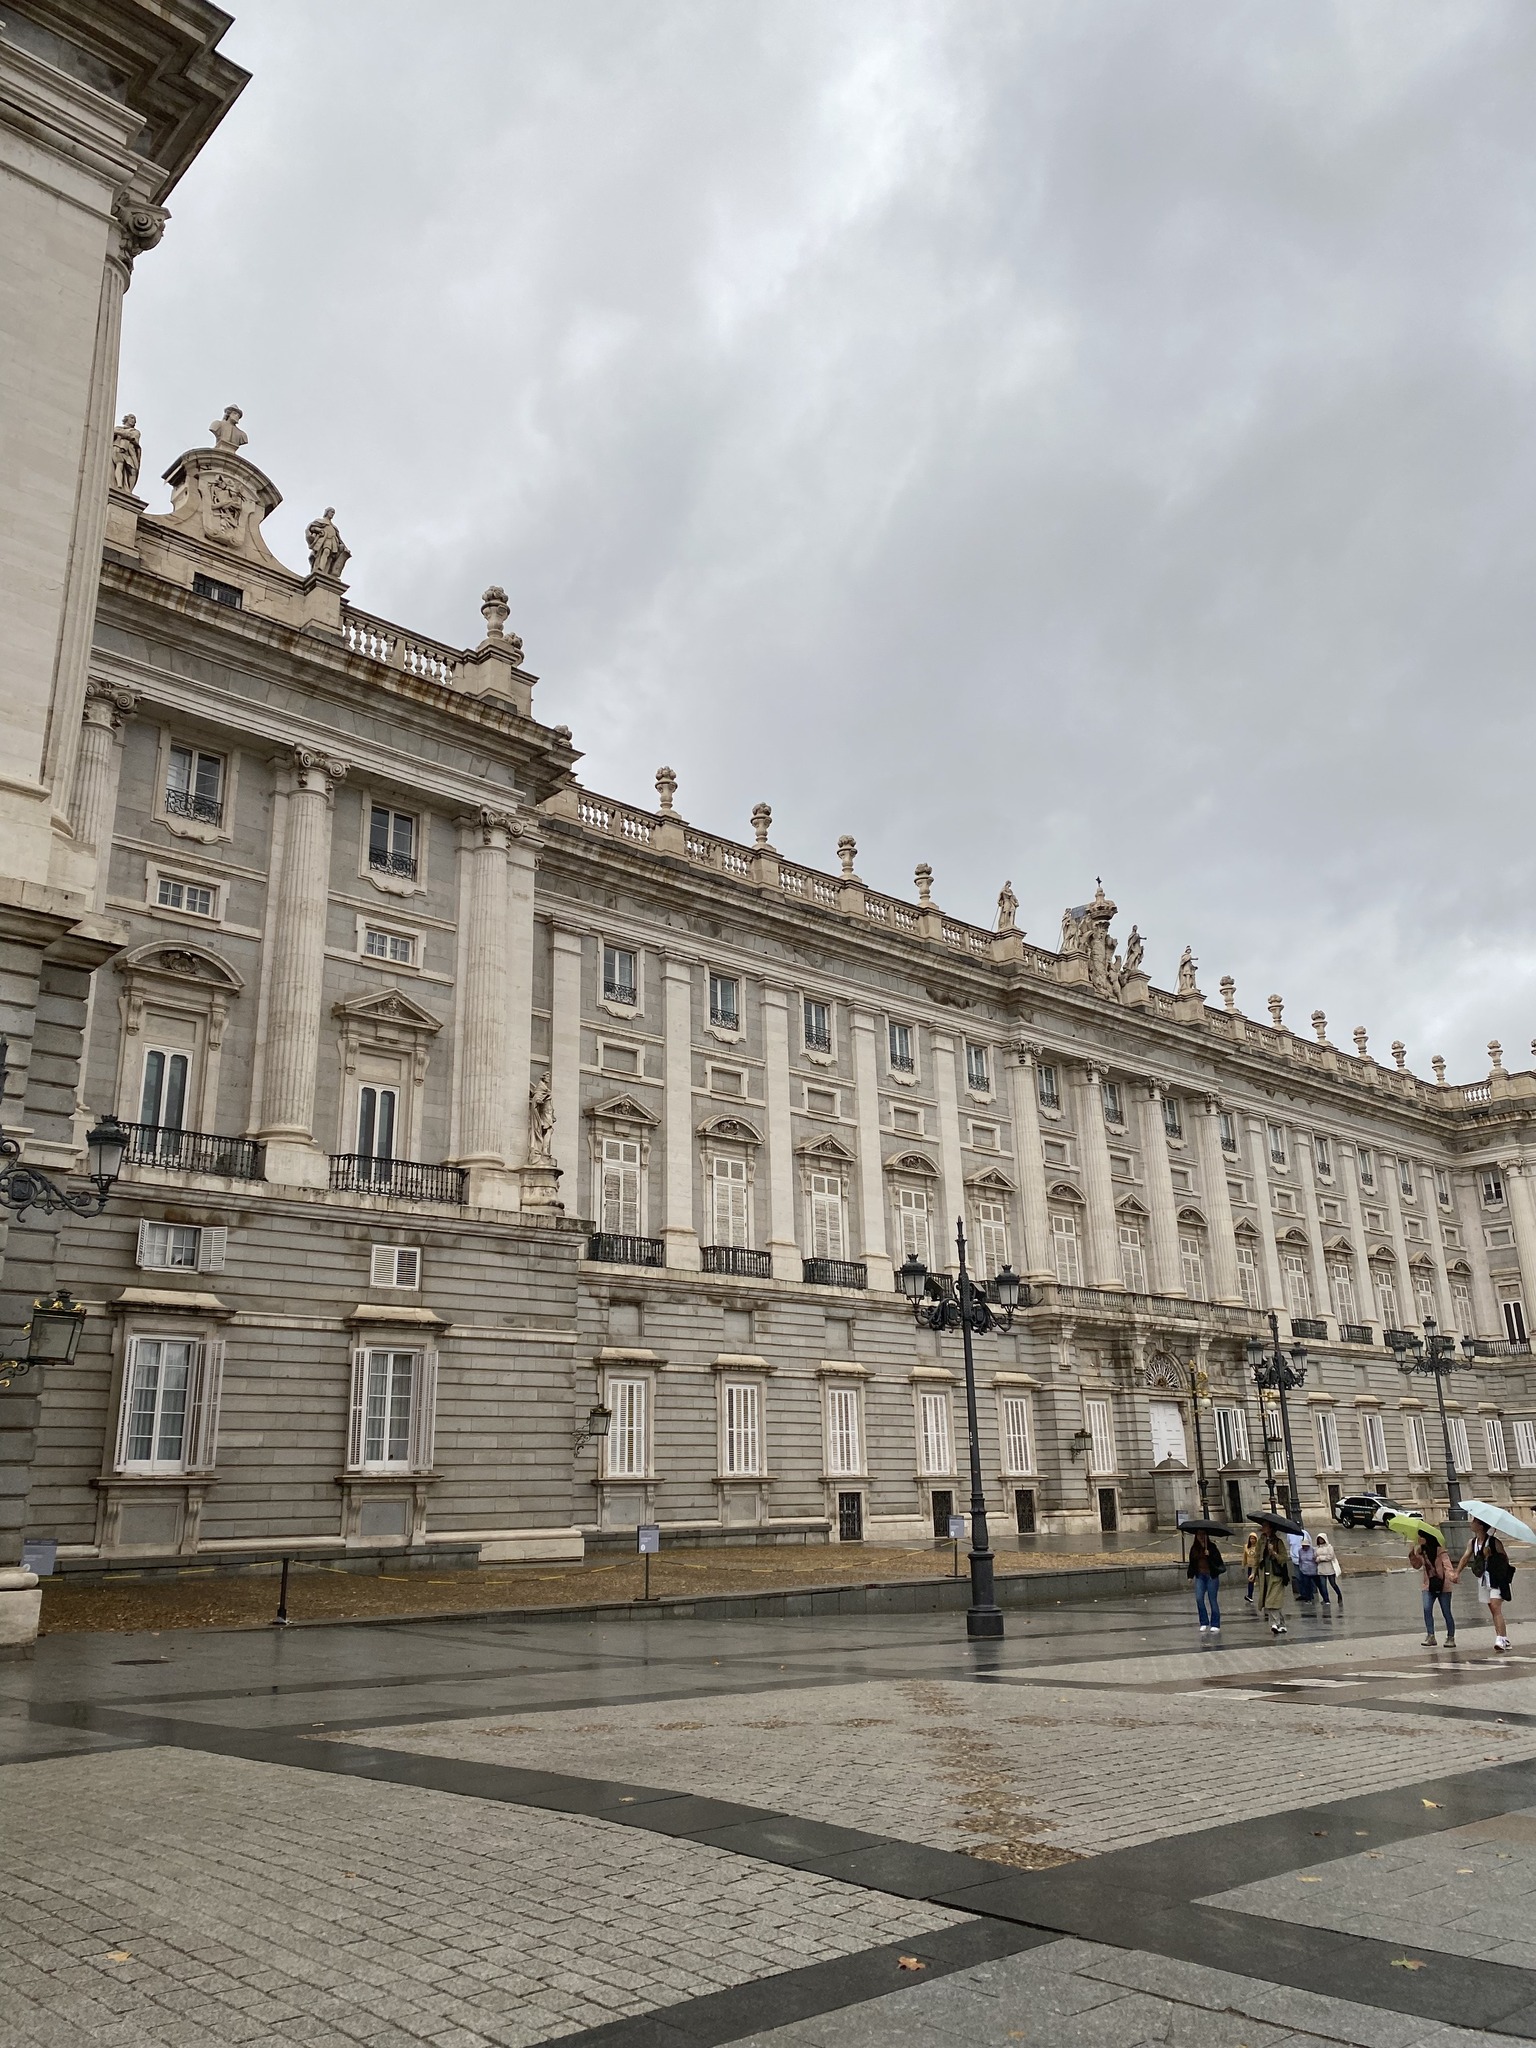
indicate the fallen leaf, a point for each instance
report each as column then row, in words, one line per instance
column 1430, row 1802
column 1309, row 1880
column 1466, row 1870
column 1406, row 1963
column 119, row 1955
column 910, row 1963
column 1362, row 1831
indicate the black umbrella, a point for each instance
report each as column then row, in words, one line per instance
column 1197, row 1525
column 1281, row 1522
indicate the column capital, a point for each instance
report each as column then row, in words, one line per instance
column 108, row 704
column 1026, row 1052
column 487, row 827
column 315, row 773
column 138, row 229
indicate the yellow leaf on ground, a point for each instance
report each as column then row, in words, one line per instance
column 910, row 1963
column 1430, row 1802
column 119, row 1955
column 1406, row 1963
column 1309, row 1880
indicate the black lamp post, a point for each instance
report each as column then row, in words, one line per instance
column 1275, row 1372
column 967, row 1310
column 1436, row 1355
column 1200, row 1385
column 27, row 1187
column 53, row 1335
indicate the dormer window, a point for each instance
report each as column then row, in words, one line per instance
column 194, row 785
column 392, row 842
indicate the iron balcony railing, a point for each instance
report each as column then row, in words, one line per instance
column 186, row 803
column 903, row 1063
column 817, row 1041
column 739, row 1259
column 619, row 992
column 383, row 862
column 194, row 1151
column 1309, row 1326
column 1354, row 1333
column 405, row 1180
column 615, row 1250
column 1402, row 1340
column 1501, row 1347
column 724, row 1020
column 834, row 1272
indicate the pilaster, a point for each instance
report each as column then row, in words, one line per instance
column 881, row 1274
column 484, row 1072
column 1098, row 1182
column 1218, row 1201
column 522, row 866
column 1433, row 1226
column 565, row 1061
column 678, row 1232
column 1349, row 1179
column 1407, row 1303
column 951, row 1163
column 1522, row 1210
column 1035, row 1259
column 1307, row 1174
column 783, row 1246
column 1269, row 1256
column 1167, row 1272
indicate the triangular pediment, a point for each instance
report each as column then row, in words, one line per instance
column 828, row 1149
column 991, row 1178
column 623, row 1109
column 390, row 1006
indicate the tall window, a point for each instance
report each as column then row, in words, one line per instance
column 912, row 1224
column 1341, row 1290
column 1424, row 1295
column 1066, row 1252
column 1173, row 1120
column 1322, row 1152
column 1133, row 1264
column 826, row 1216
column 1049, row 1087
column 1327, row 1441
column 1248, row 1273
column 1417, row 1439
column 1373, row 1441
column 1491, row 1184
column 845, row 1458
column 391, row 842
column 817, row 1025
column 194, row 785
column 991, row 1239
column 389, row 1383
column 1405, row 1177
column 1114, row 1104
column 1018, row 1452
column 728, row 1180
column 978, row 1069
column 1442, row 1187
column 159, row 1385
column 1298, row 1284
column 163, row 1098
column 1231, row 1436
column 933, row 1434
column 903, row 1059
column 725, row 1002
column 376, row 1112
column 626, row 1448
column 1513, row 1309
column 1525, row 1445
column 1462, row 1317
column 1367, row 1168
column 1228, row 1130
column 621, row 983
column 1460, row 1450
column 1192, row 1265
column 742, row 1451
column 619, row 1203
column 1101, row 1436
column 1386, row 1297
column 1493, row 1439
column 1274, row 1433
column 1277, row 1144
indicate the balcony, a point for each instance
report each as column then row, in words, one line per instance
column 383, row 862
column 1501, row 1347
column 620, row 992
column 834, row 1273
column 403, row 1180
column 1403, row 1340
column 614, row 1250
column 738, row 1259
column 723, row 1019
column 1354, row 1333
column 193, row 1151
column 1313, row 1327
column 186, row 803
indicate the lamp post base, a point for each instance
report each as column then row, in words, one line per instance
column 983, row 1617
column 984, row 1622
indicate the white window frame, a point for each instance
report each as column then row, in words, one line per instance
column 1512, row 1309
column 1326, row 1426
column 610, row 954
column 1416, row 1439
column 1373, row 1442
column 1231, row 1435
column 400, row 946
column 1274, row 1433
column 1405, row 1182
column 741, row 1429
column 1295, row 1271
column 1365, row 1162
column 170, row 748
column 1279, row 1153
column 627, row 1448
column 826, row 1214
column 718, row 983
column 1048, row 1086
column 843, row 1422
column 376, row 1426
column 811, row 1045
column 1490, row 1187
column 387, row 1263
column 730, row 1199
column 1226, row 1131
column 1133, row 1259
column 1192, row 1265
column 1322, row 1155
column 1112, row 1095
column 901, row 1047
column 1384, row 1294
column 1341, row 1290
column 1463, row 1311
column 361, row 1119
column 1443, row 1188
column 1016, row 1433
column 202, row 1247
column 169, row 1054
column 1248, row 1285
column 1495, row 1446
column 913, row 1208
column 158, row 880
column 1099, row 1421
column 935, row 1433
column 989, row 1224
column 619, row 1175
column 1066, row 1248
column 978, row 1068
column 1525, row 1443
column 413, row 819
column 1461, row 1450
column 198, row 1439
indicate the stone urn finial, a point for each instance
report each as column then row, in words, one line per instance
column 848, row 853
column 1496, row 1055
column 1438, row 1063
column 922, row 875
column 1362, row 1041
column 1400, row 1054
column 495, row 611
column 1320, row 1026
column 1277, row 1011
column 1228, row 989
column 666, row 786
column 762, row 818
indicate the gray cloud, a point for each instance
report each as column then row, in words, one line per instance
column 1044, row 440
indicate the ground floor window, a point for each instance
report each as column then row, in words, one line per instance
column 845, row 1451
column 742, row 1448
column 1493, row 1438
column 626, row 1448
column 394, row 1403
column 169, row 1416
column 1525, row 1444
column 1101, row 1435
column 933, row 1438
column 1328, row 1459
column 1231, row 1436
column 1373, row 1441
column 1417, row 1439
column 1018, row 1451
column 1460, row 1450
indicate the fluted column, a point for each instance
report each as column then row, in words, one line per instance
column 1485, row 1300
column 295, row 975
column 951, row 1162
column 1035, row 1258
column 1407, row 1301
column 93, row 806
column 881, row 1273
column 1218, row 1201
column 678, row 1231
column 1522, row 1210
column 1306, row 1172
column 1349, row 1180
column 1432, row 1227
column 783, row 1244
column 484, row 1077
column 1167, row 1273
column 1098, row 1182
column 1269, row 1256
column 565, row 1066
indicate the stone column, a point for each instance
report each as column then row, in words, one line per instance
column 1485, row 1299
column 1432, row 1225
column 1035, row 1258
column 295, row 975
column 1258, row 1138
column 1167, row 1273
column 522, row 866
column 678, row 1231
column 93, row 806
column 951, row 1163
column 1322, row 1302
column 783, row 1244
column 1098, row 1182
column 1407, row 1303
column 484, row 1076
column 1218, row 1201
column 881, row 1275
column 1522, row 1211
column 565, row 1065
column 1349, row 1179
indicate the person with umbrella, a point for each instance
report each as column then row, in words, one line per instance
column 1252, row 1546
column 1273, row 1573
column 1437, row 1575
column 1203, row 1568
column 1490, row 1561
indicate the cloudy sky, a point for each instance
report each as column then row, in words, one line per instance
column 1044, row 440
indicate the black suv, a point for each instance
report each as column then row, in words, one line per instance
column 1367, row 1510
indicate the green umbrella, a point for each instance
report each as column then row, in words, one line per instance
column 1501, row 1520
column 1415, row 1526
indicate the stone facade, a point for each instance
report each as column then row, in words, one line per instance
column 465, row 1100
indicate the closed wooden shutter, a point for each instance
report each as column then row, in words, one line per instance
column 743, row 1428
column 912, row 1224
column 991, row 1238
column 826, row 1216
column 1016, row 1443
column 1101, row 1447
column 843, row 1456
column 625, row 1445
column 211, row 1247
column 1133, row 1265
column 357, row 1411
column 933, row 1430
column 125, row 1403
column 730, row 1204
column 203, row 1407
column 1066, row 1252
column 620, row 1192
column 424, row 1412
column 1460, row 1450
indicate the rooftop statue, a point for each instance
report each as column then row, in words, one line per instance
column 1187, row 965
column 228, row 437
column 126, row 454
column 328, row 552
column 1007, row 909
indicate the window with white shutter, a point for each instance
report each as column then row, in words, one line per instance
column 1341, row 1291
column 728, row 1182
column 1373, row 1441
column 1513, row 1309
column 742, row 1449
column 626, row 1448
column 1274, row 1433
column 826, row 1216
column 169, row 1247
column 991, row 1239
column 1460, row 1449
column 1327, row 1427
column 158, row 1388
column 618, row 1200
column 1248, row 1273
column 1525, row 1445
column 1463, row 1320
column 1493, row 1438
column 1018, row 1451
column 845, row 1456
column 1066, row 1251
column 1192, row 1265
column 933, row 1433
column 379, row 1437
column 912, row 1235
column 1298, row 1284
column 396, row 1265
column 1424, row 1296
column 1416, row 1437
column 1101, row 1436
column 1386, row 1297
column 1231, row 1436
column 1133, row 1264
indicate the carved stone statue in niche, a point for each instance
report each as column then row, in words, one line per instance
column 328, row 552
column 126, row 454
column 541, row 1123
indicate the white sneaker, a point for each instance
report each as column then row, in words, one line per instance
column 1204, row 1630
column 1216, row 1628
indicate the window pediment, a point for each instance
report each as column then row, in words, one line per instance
column 1190, row 1215
column 182, row 963
column 1063, row 1191
column 1129, row 1206
column 622, row 1109
column 829, row 1152
column 913, row 1162
column 733, row 1130
column 991, row 1181
column 389, row 1007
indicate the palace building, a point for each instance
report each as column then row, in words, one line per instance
column 465, row 1101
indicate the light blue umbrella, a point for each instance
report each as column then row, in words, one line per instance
column 1500, row 1519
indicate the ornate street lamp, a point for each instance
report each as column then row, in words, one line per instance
column 53, row 1335
column 1276, row 1373
column 1200, row 1404
column 967, row 1310
column 595, row 1428
column 28, row 1187
column 1436, row 1356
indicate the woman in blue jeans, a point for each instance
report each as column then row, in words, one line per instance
column 1204, row 1566
column 1437, row 1575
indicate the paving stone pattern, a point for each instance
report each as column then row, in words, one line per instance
column 1026, row 1773
column 1468, row 1892
column 1076, row 1994
column 162, row 1898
